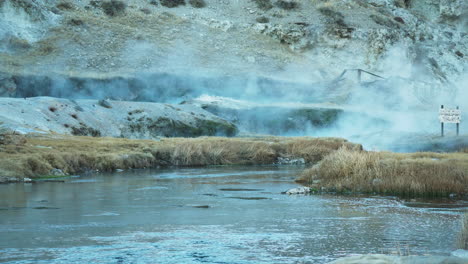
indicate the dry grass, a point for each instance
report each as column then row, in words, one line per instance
column 415, row 174
column 71, row 154
column 463, row 238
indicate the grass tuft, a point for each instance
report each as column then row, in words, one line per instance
column 463, row 237
column 414, row 174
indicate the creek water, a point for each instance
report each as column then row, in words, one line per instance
column 210, row 215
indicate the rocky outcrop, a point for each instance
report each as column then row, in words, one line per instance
column 113, row 119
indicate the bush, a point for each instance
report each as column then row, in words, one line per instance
column 113, row 7
column 287, row 5
column 75, row 22
column 172, row 3
column 263, row 4
column 64, row 6
column 263, row 19
column 197, row 3
column 145, row 11
column 154, row 2
column 334, row 16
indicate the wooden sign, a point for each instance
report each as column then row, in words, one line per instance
column 449, row 115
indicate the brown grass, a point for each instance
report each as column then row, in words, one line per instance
column 76, row 154
column 463, row 237
column 414, row 174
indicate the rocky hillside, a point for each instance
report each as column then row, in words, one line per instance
column 296, row 40
column 266, row 51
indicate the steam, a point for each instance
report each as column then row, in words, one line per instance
column 376, row 112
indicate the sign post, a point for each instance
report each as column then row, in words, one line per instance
column 447, row 115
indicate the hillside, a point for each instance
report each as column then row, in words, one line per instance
column 272, row 52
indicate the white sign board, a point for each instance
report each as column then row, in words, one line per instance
column 449, row 115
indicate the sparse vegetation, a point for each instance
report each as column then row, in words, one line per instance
column 264, row 4
column 114, row 7
column 197, row 3
column 77, row 154
column 172, row 3
column 84, row 130
column 415, row 174
column 17, row 44
column 287, row 4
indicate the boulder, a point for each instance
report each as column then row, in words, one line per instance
column 299, row 190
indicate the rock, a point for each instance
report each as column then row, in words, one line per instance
column 13, row 179
column 290, row 161
column 299, row 190
column 7, row 85
column 3, row 180
column 105, row 103
column 452, row 8
column 57, row 172
column 460, row 253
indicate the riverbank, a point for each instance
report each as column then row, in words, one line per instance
column 338, row 165
column 402, row 174
column 36, row 156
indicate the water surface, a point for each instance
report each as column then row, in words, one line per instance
column 210, row 215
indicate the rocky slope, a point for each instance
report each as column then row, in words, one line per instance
column 256, row 50
column 109, row 118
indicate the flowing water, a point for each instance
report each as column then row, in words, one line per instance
column 210, row 215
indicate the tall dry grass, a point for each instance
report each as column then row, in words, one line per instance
column 413, row 174
column 76, row 154
column 463, row 237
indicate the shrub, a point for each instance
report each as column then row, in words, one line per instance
column 75, row 22
column 383, row 21
column 113, row 7
column 172, row 3
column 263, row 4
column 287, row 5
column 95, row 3
column 263, row 19
column 334, row 16
column 197, row 3
column 154, row 2
column 145, row 11
column 64, row 6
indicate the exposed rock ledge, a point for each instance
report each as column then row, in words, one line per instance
column 110, row 118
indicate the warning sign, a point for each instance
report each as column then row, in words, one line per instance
column 447, row 115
